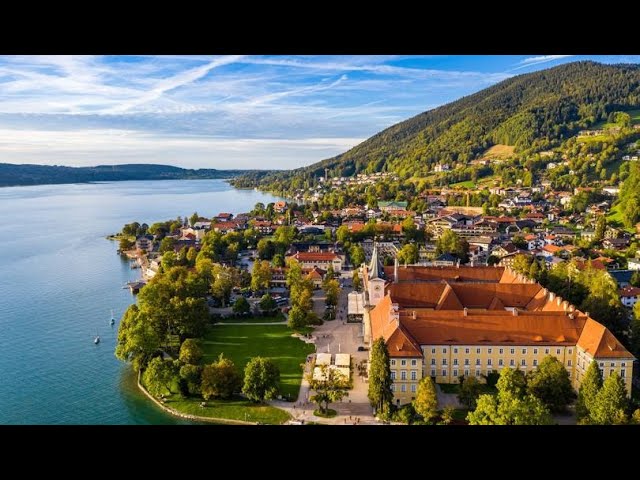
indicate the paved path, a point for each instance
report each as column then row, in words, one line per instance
column 447, row 399
column 251, row 323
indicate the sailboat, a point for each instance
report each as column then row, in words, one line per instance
column 113, row 320
column 96, row 340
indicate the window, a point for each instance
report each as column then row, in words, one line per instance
column 501, row 351
column 444, row 361
column 403, row 375
column 433, row 373
column 602, row 364
column 489, row 350
column 433, row 361
column 403, row 387
column 433, row 350
column 512, row 362
column 546, row 351
column 466, row 373
column 466, row 350
column 477, row 361
column 478, row 351
column 414, row 374
column 489, row 362
column 444, row 350
column 403, row 363
column 513, row 350
column 523, row 362
column 393, row 375
column 611, row 372
column 466, row 361
column 455, row 350
column 393, row 363
column 623, row 364
column 455, row 373
column 569, row 363
column 393, row 387
column 535, row 351
column 570, row 351
column 535, row 362
column 413, row 388
column 500, row 362
column 455, row 361
column 444, row 373
column 414, row 363
column 478, row 372
column 623, row 372
column 557, row 351
column 524, row 351
column 613, row 364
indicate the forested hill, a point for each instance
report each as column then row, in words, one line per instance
column 27, row 174
column 531, row 112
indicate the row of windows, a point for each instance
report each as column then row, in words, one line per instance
column 403, row 375
column 403, row 363
column 403, row 388
column 512, row 362
column 501, row 351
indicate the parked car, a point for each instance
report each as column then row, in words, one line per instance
column 362, row 349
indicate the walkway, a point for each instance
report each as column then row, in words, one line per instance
column 447, row 399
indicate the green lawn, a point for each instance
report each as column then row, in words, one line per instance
column 241, row 342
column 237, row 409
column 595, row 138
column 465, row 184
column 614, row 218
column 251, row 319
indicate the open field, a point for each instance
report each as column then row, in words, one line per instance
column 465, row 184
column 241, row 342
column 498, row 152
column 235, row 409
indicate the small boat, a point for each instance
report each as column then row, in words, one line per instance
column 113, row 320
column 97, row 339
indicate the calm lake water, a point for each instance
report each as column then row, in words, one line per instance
column 59, row 279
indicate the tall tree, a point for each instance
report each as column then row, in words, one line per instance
column 138, row 340
column 159, row 376
column 380, row 394
column 355, row 281
column 220, row 379
column 426, row 401
column 601, row 227
column 611, row 402
column 550, row 383
column 408, row 254
column 260, row 275
column 588, row 391
column 268, row 305
column 332, row 292
column 241, row 306
column 470, row 390
column 191, row 351
column 261, row 379
column 193, row 218
column 331, row 386
column 356, row 255
column 512, row 381
column 190, row 377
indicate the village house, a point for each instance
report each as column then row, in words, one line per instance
column 629, row 296
column 309, row 260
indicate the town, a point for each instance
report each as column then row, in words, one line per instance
column 457, row 294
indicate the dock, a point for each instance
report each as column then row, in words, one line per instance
column 135, row 286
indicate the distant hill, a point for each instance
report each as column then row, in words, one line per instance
column 531, row 113
column 27, row 174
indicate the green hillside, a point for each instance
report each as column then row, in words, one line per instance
column 532, row 112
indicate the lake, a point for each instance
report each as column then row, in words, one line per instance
column 59, row 280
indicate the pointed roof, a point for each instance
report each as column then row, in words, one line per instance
column 375, row 267
column 449, row 300
column 598, row 341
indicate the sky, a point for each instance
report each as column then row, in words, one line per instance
column 228, row 112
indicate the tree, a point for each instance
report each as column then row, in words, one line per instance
column 342, row 234
column 278, row 260
column 550, row 383
column 635, row 418
column 601, row 227
column 192, row 254
column 408, row 254
column 380, row 394
column 260, row 275
column 166, row 245
column 261, row 379
column 190, row 376
column 241, row 306
column 191, row 351
column 426, row 401
column 589, row 388
column 194, row 218
column 222, row 284
column 297, row 318
column 510, row 406
column 470, row 390
column 332, row 386
column 609, row 407
column 169, row 260
column 159, row 376
column 332, row 292
column 450, row 242
column 284, row 235
column 356, row 255
column 138, row 340
column 635, row 279
column 267, row 304
column 220, row 379
column 355, row 281
column 125, row 244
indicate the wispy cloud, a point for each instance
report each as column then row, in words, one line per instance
column 530, row 61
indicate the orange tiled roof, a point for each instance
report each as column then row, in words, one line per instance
column 598, row 341
column 314, row 256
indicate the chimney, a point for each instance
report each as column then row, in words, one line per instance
column 551, row 296
column 395, row 271
column 413, row 315
column 465, row 311
column 558, row 300
column 565, row 306
column 515, row 311
column 586, row 313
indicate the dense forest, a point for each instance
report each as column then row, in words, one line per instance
column 532, row 112
column 27, row 174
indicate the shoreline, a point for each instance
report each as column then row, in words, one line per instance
column 188, row 416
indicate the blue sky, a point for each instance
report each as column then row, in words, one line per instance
column 227, row 111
